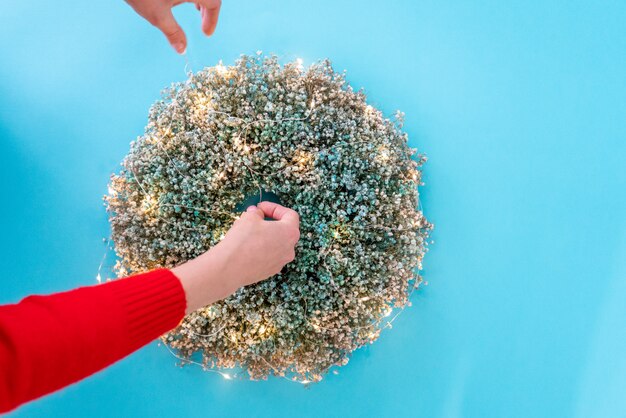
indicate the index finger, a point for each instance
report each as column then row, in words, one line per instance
column 278, row 212
column 210, row 10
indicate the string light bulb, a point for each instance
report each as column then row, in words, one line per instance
column 383, row 154
column 221, row 68
column 148, row 203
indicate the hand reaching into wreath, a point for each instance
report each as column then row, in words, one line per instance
column 107, row 322
column 252, row 250
column 159, row 14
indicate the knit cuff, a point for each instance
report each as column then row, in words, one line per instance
column 154, row 303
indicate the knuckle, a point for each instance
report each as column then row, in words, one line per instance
column 155, row 19
column 173, row 33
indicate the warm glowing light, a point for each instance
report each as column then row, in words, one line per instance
column 303, row 159
column 148, row 203
column 305, row 381
column 299, row 63
column 221, row 68
column 202, row 103
column 112, row 191
column 388, row 312
column 383, row 154
column 226, row 376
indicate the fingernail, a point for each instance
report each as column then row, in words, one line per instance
column 251, row 208
column 180, row 47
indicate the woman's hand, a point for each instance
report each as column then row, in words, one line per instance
column 252, row 250
column 159, row 13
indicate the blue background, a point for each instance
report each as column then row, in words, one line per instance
column 521, row 108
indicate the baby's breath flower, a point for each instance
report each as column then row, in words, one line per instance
column 228, row 132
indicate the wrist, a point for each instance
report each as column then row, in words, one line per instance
column 205, row 279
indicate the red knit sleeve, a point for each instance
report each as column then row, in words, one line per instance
column 48, row 342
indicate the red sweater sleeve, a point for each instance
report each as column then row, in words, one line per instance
column 48, row 342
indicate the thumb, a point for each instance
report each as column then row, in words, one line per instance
column 172, row 31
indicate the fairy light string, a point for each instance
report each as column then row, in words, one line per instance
column 196, row 203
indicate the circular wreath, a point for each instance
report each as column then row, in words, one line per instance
column 228, row 133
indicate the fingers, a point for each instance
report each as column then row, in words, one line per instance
column 254, row 211
column 281, row 213
column 288, row 219
column 172, row 31
column 209, row 10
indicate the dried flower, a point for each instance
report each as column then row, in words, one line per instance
column 228, row 132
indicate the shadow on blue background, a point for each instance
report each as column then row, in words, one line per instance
column 521, row 109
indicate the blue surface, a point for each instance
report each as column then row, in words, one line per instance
column 521, row 109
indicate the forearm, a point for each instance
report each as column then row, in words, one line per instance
column 204, row 279
column 48, row 342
